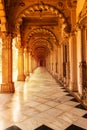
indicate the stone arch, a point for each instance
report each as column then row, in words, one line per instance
column 41, row 8
column 45, row 31
column 43, row 41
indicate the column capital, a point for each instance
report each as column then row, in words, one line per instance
column 79, row 26
column 18, row 44
column 6, row 40
column 26, row 50
column 21, row 50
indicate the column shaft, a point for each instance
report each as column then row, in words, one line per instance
column 21, row 76
column 30, row 65
column 26, row 62
column 79, row 59
column 73, row 63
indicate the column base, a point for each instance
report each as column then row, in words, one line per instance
column 21, row 78
column 7, row 88
column 73, row 87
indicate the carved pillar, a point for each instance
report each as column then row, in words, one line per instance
column 79, row 60
column 64, row 63
column 59, row 63
column 83, row 82
column 68, row 67
column 30, row 66
column 54, row 62
column 26, row 61
column 32, row 63
column 82, row 66
column 73, row 62
column 21, row 76
column 51, row 62
column 7, row 85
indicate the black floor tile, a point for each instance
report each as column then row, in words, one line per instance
column 65, row 91
column 13, row 128
column 74, row 127
column 62, row 88
column 74, row 100
column 85, row 116
column 43, row 127
column 68, row 95
column 80, row 107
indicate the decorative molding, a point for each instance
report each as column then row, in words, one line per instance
column 45, row 31
column 40, row 8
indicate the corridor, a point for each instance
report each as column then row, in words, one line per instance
column 40, row 103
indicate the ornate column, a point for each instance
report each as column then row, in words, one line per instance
column 30, row 66
column 26, row 61
column 32, row 63
column 7, row 85
column 73, row 62
column 21, row 76
column 82, row 73
column 61, row 61
column 79, row 60
column 67, row 67
column 56, row 63
column 51, row 62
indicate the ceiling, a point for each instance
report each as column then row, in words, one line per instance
column 39, row 23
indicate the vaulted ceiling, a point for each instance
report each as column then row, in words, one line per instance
column 39, row 22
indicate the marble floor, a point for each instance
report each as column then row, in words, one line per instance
column 40, row 103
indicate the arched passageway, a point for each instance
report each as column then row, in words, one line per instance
column 48, row 34
column 43, row 56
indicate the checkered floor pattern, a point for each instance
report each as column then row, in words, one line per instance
column 41, row 103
